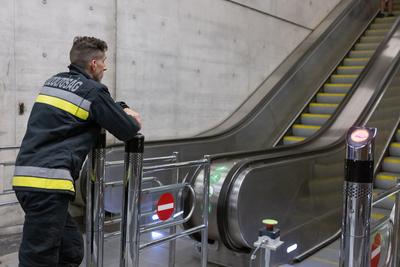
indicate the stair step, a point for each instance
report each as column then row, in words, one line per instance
column 376, row 32
column 391, row 164
column 386, row 180
column 322, row 108
column 337, row 88
column 304, row 130
column 289, row 139
column 366, row 46
column 349, row 69
column 344, row 78
column 314, row 119
column 355, row 61
column 394, row 149
column 330, row 98
column 361, row 53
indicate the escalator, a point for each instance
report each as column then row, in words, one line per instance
column 339, row 83
column 302, row 189
column 264, row 127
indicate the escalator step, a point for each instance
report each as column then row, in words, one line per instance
column 355, row 61
column 385, row 20
column 322, row 108
column 398, row 135
column 343, row 78
column 289, row 140
column 314, row 119
column 394, row 149
column 304, row 130
column 379, row 213
column 337, row 88
column 349, row 69
column 386, row 203
column 386, row 180
column 391, row 164
column 379, row 32
column 379, row 26
column 366, row 46
column 372, row 39
column 361, row 53
column 330, row 98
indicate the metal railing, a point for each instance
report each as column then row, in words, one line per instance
column 132, row 214
column 396, row 232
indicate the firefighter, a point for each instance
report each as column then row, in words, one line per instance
column 66, row 118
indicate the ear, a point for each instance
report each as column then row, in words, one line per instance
column 93, row 64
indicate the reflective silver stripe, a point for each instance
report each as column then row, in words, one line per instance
column 68, row 96
column 42, row 172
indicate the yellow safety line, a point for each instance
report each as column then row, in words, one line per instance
column 356, row 59
column 323, row 105
column 306, row 126
column 377, row 216
column 386, row 177
column 391, row 160
column 315, row 115
column 294, row 138
column 338, row 84
column 351, row 67
column 362, row 51
column 331, row 94
column 345, row 75
column 395, row 144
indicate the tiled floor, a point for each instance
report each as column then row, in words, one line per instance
column 186, row 255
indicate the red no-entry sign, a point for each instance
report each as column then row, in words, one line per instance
column 165, row 206
column 376, row 250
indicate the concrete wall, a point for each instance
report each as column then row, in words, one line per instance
column 185, row 65
column 203, row 58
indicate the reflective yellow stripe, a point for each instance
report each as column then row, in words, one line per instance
column 64, row 105
column 34, row 182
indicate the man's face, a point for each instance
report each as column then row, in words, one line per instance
column 98, row 67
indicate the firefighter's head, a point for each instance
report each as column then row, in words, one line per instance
column 89, row 53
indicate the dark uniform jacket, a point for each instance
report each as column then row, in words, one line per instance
column 63, row 126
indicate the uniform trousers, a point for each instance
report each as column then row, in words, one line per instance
column 50, row 236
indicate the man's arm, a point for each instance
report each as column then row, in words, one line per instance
column 112, row 117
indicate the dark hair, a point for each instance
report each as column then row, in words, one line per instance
column 85, row 48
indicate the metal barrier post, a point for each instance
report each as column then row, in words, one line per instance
column 355, row 242
column 95, row 203
column 204, row 232
column 172, row 244
column 130, row 227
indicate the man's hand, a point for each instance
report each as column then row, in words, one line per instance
column 134, row 114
